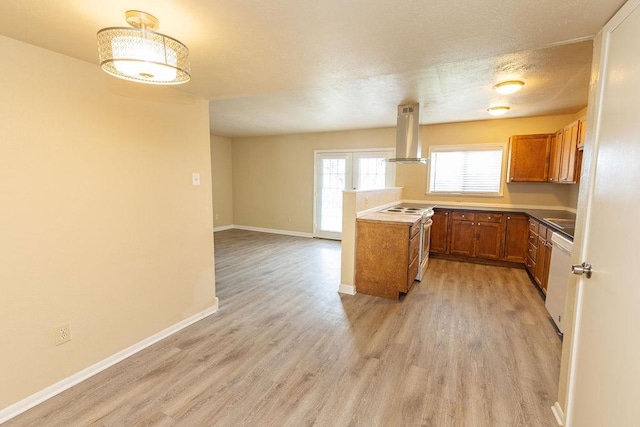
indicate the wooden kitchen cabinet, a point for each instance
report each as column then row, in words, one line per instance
column 387, row 259
column 516, row 234
column 439, row 231
column 532, row 247
column 582, row 132
column 529, row 157
column 539, row 253
column 476, row 235
column 489, row 235
column 463, row 234
column 566, row 158
column 543, row 260
column 569, row 155
column 556, row 157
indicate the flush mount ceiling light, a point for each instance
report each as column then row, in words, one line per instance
column 507, row 88
column 498, row 111
column 140, row 54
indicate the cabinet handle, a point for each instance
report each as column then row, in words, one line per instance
column 551, row 179
column 508, row 217
column 446, row 213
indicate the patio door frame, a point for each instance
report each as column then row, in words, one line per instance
column 351, row 169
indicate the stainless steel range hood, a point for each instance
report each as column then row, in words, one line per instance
column 408, row 147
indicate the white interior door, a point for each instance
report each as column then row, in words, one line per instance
column 333, row 176
column 604, row 373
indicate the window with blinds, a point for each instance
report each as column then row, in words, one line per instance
column 473, row 170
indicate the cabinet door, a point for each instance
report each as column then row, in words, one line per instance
column 516, row 237
column 569, row 153
column 529, row 158
column 463, row 237
column 556, row 157
column 489, row 240
column 439, row 232
column 541, row 257
column 582, row 131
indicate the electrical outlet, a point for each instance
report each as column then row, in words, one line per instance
column 62, row 333
column 217, row 216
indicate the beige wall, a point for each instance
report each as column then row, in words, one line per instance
column 100, row 225
column 273, row 176
column 222, row 178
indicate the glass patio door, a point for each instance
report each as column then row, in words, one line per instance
column 334, row 175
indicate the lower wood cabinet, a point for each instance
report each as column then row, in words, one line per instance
column 387, row 259
column 476, row 235
column 516, row 233
column 463, row 234
column 497, row 236
column 539, row 253
column 440, row 232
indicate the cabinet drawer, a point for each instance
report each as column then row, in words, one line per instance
column 532, row 252
column 542, row 232
column 414, row 247
column 415, row 228
column 464, row 216
column 531, row 264
column 533, row 226
column 489, row 217
column 533, row 238
column 411, row 274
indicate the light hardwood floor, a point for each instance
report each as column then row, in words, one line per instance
column 469, row 346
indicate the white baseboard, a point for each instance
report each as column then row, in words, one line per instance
column 558, row 413
column 347, row 289
column 273, row 231
column 62, row 385
column 222, row 228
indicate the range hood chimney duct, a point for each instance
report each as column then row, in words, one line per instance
column 408, row 146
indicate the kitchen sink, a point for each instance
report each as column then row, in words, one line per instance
column 562, row 222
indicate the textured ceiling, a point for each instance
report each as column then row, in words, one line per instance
column 285, row 66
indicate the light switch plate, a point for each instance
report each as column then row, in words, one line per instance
column 195, row 178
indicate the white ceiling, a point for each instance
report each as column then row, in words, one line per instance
column 289, row 66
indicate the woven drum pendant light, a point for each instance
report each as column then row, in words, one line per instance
column 140, row 54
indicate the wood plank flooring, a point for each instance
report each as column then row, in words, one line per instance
column 469, row 346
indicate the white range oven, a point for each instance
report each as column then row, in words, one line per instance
column 425, row 212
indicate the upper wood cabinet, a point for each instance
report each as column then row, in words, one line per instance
column 529, row 157
column 569, row 155
column 556, row 156
column 582, row 132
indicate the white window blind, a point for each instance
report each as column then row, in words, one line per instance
column 473, row 170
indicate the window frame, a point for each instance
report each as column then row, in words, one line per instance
column 469, row 147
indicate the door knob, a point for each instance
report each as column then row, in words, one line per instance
column 580, row 269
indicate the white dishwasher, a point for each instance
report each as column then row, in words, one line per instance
column 559, row 271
